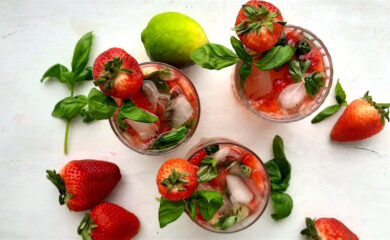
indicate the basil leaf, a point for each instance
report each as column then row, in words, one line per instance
column 169, row 211
column 245, row 71
column 327, row 112
column 226, row 222
column 275, row 57
column 245, row 169
column 100, row 106
column 280, row 159
column 58, row 71
column 208, row 203
column 313, row 83
column 273, row 172
column 283, row 205
column 212, row 149
column 170, row 139
column 86, row 116
column 303, row 47
column 85, row 75
column 69, row 107
column 207, row 170
column 213, row 56
column 239, row 49
column 159, row 78
column 81, row 53
column 191, row 208
column 340, row 93
column 297, row 69
column 130, row 111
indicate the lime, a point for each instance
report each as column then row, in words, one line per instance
column 170, row 37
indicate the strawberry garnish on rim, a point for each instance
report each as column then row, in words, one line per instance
column 112, row 69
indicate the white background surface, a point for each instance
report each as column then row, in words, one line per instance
column 348, row 181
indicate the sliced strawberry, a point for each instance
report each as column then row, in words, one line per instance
column 177, row 179
column 315, row 58
column 198, row 157
column 293, row 37
column 141, row 100
column 220, row 181
column 257, row 178
column 117, row 73
column 250, row 161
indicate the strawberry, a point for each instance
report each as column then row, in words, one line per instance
column 250, row 161
column 108, row 221
column 293, row 37
column 259, row 25
column 198, row 157
column 117, row 73
column 177, row 179
column 315, row 58
column 363, row 118
column 327, row 229
column 83, row 184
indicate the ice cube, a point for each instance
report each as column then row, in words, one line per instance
column 151, row 92
column 239, row 192
column 146, row 131
column 292, row 96
column 226, row 155
column 258, row 84
column 178, row 111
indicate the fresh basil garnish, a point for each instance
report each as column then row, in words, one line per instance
column 191, row 206
column 279, row 172
column 170, row 139
column 283, row 205
column 69, row 107
column 213, row 56
column 208, row 203
column 297, row 69
column 129, row 111
column 275, row 57
column 57, row 71
column 212, row 149
column 81, row 53
column 303, row 47
column 245, row 169
column 100, row 106
column 226, row 222
column 240, row 50
column 330, row 110
column 159, row 78
column 244, row 72
column 207, row 170
column 313, row 83
column 169, row 211
column 282, row 40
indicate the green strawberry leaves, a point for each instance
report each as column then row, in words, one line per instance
column 208, row 203
column 330, row 110
column 279, row 171
column 382, row 108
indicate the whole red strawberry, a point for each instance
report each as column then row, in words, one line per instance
column 327, row 229
column 363, row 118
column 177, row 179
column 83, row 184
column 108, row 221
column 259, row 25
column 117, row 73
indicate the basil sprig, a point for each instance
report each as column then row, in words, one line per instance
column 100, row 106
column 279, row 171
column 208, row 203
column 80, row 72
column 313, row 83
column 213, row 56
column 297, row 69
column 330, row 110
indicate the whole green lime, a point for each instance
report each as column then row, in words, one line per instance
column 170, row 37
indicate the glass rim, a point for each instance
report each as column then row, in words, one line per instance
column 188, row 136
column 297, row 116
column 232, row 142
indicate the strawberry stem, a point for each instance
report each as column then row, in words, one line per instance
column 85, row 228
column 56, row 179
column 175, row 180
column 310, row 231
column 382, row 108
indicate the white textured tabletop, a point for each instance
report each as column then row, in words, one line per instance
column 348, row 181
